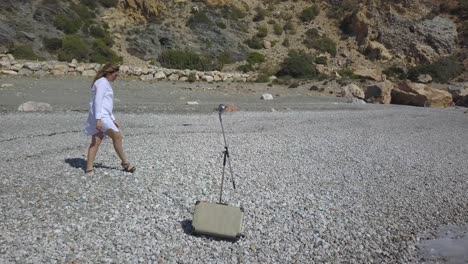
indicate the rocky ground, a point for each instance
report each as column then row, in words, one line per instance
column 319, row 182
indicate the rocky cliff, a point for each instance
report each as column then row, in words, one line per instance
column 368, row 37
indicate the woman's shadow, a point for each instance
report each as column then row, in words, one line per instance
column 80, row 163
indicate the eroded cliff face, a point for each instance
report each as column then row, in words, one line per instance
column 369, row 34
column 142, row 10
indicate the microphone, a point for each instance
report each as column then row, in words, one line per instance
column 221, row 108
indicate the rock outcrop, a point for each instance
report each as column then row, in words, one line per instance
column 380, row 93
column 418, row 94
column 459, row 93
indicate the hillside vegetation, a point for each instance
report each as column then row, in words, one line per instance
column 302, row 39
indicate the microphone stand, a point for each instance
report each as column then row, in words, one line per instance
column 226, row 156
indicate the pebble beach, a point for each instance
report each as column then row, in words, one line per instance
column 321, row 181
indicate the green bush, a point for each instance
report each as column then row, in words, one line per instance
column 83, row 12
column 245, row 68
column 261, row 14
column 232, row 12
column 277, row 29
column 89, row 3
column 109, row 3
column 103, row 54
column 286, row 43
column 183, row 59
column 290, row 28
column 320, row 43
column 262, row 78
column 52, row 44
column 254, row 43
column 50, row 2
column 197, row 19
column 348, row 73
column 262, row 32
column 24, row 52
column 255, row 58
column 298, row 64
column 224, row 58
column 396, row 72
column 309, row 13
column 244, row 27
column 73, row 47
column 441, row 71
column 321, row 60
column 339, row 11
column 67, row 24
column 221, row 25
column 192, row 77
column 98, row 32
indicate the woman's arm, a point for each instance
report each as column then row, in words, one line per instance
column 99, row 99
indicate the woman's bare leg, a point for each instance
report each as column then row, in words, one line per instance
column 93, row 149
column 117, row 142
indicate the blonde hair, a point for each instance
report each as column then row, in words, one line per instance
column 108, row 68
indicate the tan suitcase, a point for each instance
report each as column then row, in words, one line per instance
column 218, row 220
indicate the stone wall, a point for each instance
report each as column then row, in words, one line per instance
column 10, row 66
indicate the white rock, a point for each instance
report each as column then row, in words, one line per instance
column 16, row 67
column 146, row 77
column 40, row 73
column 9, row 72
column 4, row 85
column 174, row 77
column 60, row 67
column 5, row 64
column 124, row 69
column 32, row 106
column 207, row 78
column 192, row 103
column 57, row 72
column 137, row 71
column 217, row 78
column 160, row 75
column 266, row 97
column 353, row 100
column 25, row 72
column 89, row 73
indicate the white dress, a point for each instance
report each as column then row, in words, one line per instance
column 100, row 107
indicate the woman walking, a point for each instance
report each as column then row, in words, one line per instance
column 101, row 121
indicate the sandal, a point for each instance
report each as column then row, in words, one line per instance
column 89, row 172
column 127, row 167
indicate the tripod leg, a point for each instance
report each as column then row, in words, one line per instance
column 222, row 178
column 230, row 169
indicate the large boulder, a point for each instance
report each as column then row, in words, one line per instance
column 459, row 93
column 419, row 94
column 352, row 90
column 367, row 73
column 379, row 93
